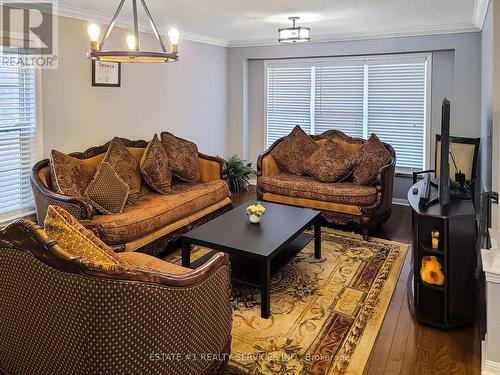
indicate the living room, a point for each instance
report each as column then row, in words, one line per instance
column 229, row 187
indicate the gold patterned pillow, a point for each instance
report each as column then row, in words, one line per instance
column 182, row 157
column 291, row 153
column 330, row 163
column 77, row 241
column 374, row 155
column 154, row 167
column 69, row 175
column 107, row 192
column 125, row 165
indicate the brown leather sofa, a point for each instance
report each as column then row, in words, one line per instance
column 63, row 315
column 155, row 219
column 340, row 203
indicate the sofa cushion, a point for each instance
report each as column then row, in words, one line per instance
column 77, row 241
column 107, row 192
column 155, row 168
column 330, row 163
column 125, row 165
column 291, row 153
column 182, row 157
column 153, row 211
column 147, row 262
column 374, row 155
column 70, row 176
column 306, row 187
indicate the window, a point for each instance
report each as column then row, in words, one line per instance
column 386, row 95
column 17, row 139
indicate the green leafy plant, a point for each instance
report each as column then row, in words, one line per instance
column 239, row 173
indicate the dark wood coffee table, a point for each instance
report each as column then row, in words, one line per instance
column 256, row 250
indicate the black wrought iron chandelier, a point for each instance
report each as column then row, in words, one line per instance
column 134, row 54
column 294, row 34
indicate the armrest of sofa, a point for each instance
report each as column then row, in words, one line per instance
column 385, row 183
column 44, row 197
column 266, row 164
column 212, row 168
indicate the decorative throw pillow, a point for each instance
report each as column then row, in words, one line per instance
column 69, row 175
column 330, row 163
column 154, row 167
column 291, row 153
column 107, row 192
column 72, row 237
column 125, row 165
column 182, row 157
column 373, row 155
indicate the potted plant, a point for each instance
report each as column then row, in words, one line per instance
column 255, row 211
column 239, row 173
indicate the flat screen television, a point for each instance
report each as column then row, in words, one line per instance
column 444, row 168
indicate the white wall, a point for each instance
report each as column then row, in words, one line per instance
column 187, row 98
column 457, row 73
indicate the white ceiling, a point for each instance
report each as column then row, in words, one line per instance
column 255, row 22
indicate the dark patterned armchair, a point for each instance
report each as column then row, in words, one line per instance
column 60, row 315
column 340, row 203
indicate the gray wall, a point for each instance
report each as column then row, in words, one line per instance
column 456, row 72
column 187, row 98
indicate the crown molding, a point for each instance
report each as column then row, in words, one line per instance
column 366, row 35
column 480, row 10
column 102, row 18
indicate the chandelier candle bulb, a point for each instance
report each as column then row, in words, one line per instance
column 131, row 42
column 173, row 36
column 94, row 32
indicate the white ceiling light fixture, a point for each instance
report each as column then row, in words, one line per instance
column 294, row 34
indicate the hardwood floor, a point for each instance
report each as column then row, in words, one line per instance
column 403, row 346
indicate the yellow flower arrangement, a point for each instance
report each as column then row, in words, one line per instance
column 256, row 209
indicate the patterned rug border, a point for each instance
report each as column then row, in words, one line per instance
column 359, row 359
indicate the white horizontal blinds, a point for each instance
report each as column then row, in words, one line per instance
column 339, row 99
column 396, row 108
column 17, row 138
column 288, row 100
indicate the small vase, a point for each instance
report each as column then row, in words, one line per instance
column 254, row 219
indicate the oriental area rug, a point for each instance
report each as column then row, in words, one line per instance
column 326, row 313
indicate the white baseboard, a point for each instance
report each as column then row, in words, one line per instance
column 488, row 367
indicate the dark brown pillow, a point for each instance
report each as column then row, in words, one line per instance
column 69, row 175
column 291, row 153
column 107, row 192
column 182, row 157
column 125, row 165
column 330, row 163
column 154, row 167
column 373, row 155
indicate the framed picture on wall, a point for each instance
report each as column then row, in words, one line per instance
column 106, row 74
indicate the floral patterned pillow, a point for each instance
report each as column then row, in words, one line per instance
column 155, row 167
column 374, row 155
column 125, row 165
column 291, row 153
column 69, row 175
column 330, row 163
column 182, row 157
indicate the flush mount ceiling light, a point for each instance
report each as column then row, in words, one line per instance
column 294, row 34
column 134, row 54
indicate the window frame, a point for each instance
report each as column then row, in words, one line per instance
column 363, row 60
column 38, row 145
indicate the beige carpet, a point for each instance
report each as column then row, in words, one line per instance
column 326, row 313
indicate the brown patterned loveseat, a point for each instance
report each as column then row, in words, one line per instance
column 61, row 315
column 340, row 203
column 155, row 219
